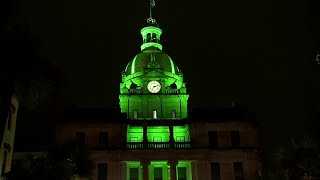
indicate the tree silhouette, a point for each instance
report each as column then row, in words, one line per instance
column 65, row 162
column 300, row 159
column 23, row 70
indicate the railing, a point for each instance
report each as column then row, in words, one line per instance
column 158, row 145
column 135, row 91
column 134, row 145
column 171, row 91
column 182, row 145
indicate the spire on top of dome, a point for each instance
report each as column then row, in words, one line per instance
column 150, row 20
column 151, row 34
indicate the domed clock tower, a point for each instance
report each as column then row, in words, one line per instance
column 152, row 85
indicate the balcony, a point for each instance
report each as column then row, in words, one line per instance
column 134, row 145
column 158, row 145
column 135, row 91
column 171, row 91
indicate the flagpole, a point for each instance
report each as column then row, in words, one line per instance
column 150, row 19
column 151, row 9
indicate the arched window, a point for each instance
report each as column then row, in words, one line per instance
column 154, row 38
column 148, row 37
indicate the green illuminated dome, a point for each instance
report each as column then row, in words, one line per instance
column 151, row 56
column 152, row 68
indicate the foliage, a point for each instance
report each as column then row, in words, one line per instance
column 77, row 154
column 64, row 162
column 299, row 159
column 22, row 68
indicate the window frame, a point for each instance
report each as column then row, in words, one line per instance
column 156, row 139
column 154, row 114
column 178, row 138
column 174, row 114
column 135, row 114
column 215, row 171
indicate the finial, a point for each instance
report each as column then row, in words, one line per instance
column 150, row 19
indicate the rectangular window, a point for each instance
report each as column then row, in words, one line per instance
column 180, row 139
column 103, row 138
column 154, row 114
column 135, row 114
column 235, row 139
column 174, row 114
column 80, row 137
column 238, row 171
column 215, row 171
column 134, row 174
column 213, row 139
column 133, row 139
column 182, row 173
column 157, row 139
column 102, row 171
column 157, row 173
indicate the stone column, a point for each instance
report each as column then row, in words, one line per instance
column 173, row 169
column 171, row 136
column 145, row 135
column 145, row 170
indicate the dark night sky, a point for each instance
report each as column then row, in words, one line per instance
column 258, row 53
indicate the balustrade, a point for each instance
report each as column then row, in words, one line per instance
column 171, row 91
column 135, row 91
column 158, row 145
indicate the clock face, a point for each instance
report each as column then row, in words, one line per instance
column 154, row 86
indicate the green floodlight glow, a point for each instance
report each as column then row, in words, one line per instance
column 181, row 134
column 133, row 65
column 151, row 44
column 158, row 134
column 170, row 103
column 151, row 31
column 134, row 167
column 135, row 134
column 172, row 66
column 164, row 167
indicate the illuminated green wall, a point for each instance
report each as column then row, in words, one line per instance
column 181, row 133
column 164, row 165
column 169, row 103
column 153, row 64
column 135, row 134
column 134, row 164
column 158, row 134
column 163, row 104
column 159, row 164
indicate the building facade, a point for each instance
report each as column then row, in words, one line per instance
column 154, row 137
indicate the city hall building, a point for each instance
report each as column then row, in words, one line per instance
column 154, row 137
